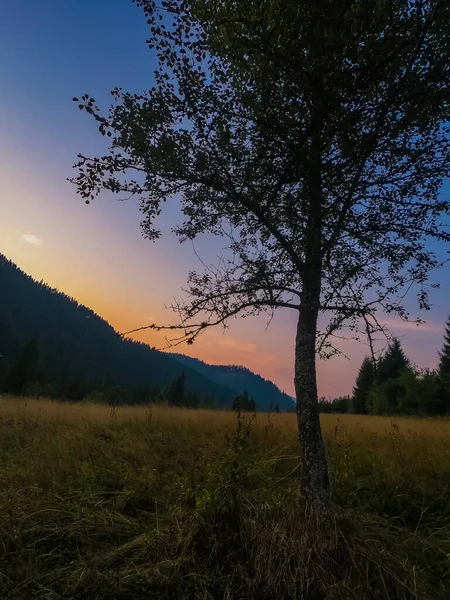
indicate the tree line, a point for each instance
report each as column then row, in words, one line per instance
column 23, row 379
column 392, row 386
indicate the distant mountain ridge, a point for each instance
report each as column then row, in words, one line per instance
column 78, row 350
column 81, row 352
column 265, row 393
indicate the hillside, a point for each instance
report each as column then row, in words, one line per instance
column 78, row 351
column 265, row 393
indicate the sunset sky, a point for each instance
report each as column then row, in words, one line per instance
column 50, row 51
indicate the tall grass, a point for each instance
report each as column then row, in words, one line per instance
column 169, row 503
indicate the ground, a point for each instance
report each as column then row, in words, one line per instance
column 139, row 503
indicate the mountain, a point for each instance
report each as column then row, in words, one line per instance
column 78, row 351
column 265, row 393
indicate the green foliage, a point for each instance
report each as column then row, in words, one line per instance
column 389, row 396
column 411, row 393
column 95, row 397
column 398, row 389
column 392, row 363
column 364, row 382
column 243, row 403
column 428, row 394
column 336, row 405
column 444, row 363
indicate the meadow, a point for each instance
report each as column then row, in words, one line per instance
column 157, row 502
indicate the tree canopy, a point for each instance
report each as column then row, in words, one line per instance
column 244, row 94
column 392, row 362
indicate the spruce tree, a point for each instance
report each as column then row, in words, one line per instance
column 392, row 363
column 364, row 383
column 176, row 393
column 444, row 363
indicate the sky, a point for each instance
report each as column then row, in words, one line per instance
column 51, row 51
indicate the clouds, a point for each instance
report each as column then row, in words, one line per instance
column 236, row 345
column 32, row 239
column 399, row 324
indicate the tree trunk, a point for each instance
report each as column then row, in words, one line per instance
column 315, row 483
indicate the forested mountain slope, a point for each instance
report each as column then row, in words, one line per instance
column 78, row 351
column 265, row 393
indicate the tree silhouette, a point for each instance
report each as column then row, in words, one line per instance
column 243, row 403
column 392, row 363
column 364, row 383
column 313, row 136
column 176, row 392
column 444, row 362
column 389, row 395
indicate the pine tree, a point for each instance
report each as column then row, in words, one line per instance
column 444, row 363
column 23, row 371
column 176, row 393
column 392, row 363
column 244, row 403
column 364, row 383
column 387, row 395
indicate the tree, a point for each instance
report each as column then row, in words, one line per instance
column 363, row 385
column 177, row 391
column 394, row 373
column 243, row 403
column 426, row 394
column 311, row 135
column 392, row 363
column 24, row 370
column 444, row 355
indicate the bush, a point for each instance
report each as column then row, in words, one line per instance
column 341, row 405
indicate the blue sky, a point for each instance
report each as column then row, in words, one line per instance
column 50, row 51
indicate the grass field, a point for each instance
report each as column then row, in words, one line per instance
column 169, row 503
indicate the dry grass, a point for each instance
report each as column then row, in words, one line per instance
column 168, row 503
column 18, row 408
